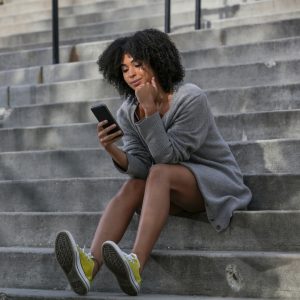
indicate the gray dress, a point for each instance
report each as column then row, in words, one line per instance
column 187, row 135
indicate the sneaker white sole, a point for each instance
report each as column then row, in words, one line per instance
column 69, row 260
column 114, row 260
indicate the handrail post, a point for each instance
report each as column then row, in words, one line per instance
column 198, row 15
column 55, row 32
column 167, row 16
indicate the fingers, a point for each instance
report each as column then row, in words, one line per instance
column 153, row 82
column 105, row 137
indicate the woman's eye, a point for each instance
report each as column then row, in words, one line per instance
column 124, row 70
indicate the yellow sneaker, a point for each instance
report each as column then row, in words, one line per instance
column 76, row 264
column 126, row 267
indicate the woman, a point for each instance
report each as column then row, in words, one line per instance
column 176, row 159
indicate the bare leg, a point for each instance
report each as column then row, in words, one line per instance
column 117, row 216
column 167, row 186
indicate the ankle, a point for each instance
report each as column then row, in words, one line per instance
column 140, row 264
column 96, row 268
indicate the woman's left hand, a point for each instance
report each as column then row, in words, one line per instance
column 148, row 96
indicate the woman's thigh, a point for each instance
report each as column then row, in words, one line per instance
column 184, row 190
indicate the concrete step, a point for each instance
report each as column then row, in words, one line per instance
column 274, row 156
column 30, row 294
column 60, row 92
column 253, row 75
column 66, row 7
column 258, row 17
column 100, row 15
column 56, row 113
column 260, row 126
column 247, row 14
column 119, row 26
column 35, row 57
column 90, row 7
column 236, row 35
column 270, row 192
column 268, row 52
column 257, row 74
column 273, row 125
column 266, row 68
column 190, row 40
column 227, row 11
column 248, row 231
column 222, row 101
column 252, row 99
column 228, row 274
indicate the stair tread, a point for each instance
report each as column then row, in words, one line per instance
column 66, row 294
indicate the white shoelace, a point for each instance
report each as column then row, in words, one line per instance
column 89, row 255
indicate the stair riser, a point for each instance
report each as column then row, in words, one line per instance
column 93, row 29
column 245, row 75
column 67, row 8
column 58, row 113
column 64, row 92
column 89, row 194
column 251, row 53
column 232, row 128
column 190, row 40
column 212, row 274
column 236, row 35
column 3, row 97
column 221, row 102
column 87, row 15
column 269, row 72
column 269, row 157
column 227, row 77
column 218, row 12
column 107, row 16
column 86, row 9
column 267, row 98
column 247, row 232
column 260, row 126
column 29, row 58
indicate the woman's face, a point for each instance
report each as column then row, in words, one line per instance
column 135, row 72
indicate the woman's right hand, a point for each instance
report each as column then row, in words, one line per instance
column 105, row 138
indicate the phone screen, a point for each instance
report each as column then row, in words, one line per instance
column 102, row 113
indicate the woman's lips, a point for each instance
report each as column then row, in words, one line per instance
column 136, row 83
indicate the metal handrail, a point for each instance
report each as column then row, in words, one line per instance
column 55, row 32
column 168, row 15
column 55, row 24
column 198, row 15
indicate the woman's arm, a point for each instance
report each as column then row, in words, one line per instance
column 188, row 132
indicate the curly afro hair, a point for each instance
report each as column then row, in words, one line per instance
column 152, row 47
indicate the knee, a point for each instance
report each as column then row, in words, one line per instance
column 159, row 173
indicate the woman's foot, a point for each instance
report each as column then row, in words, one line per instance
column 126, row 267
column 76, row 264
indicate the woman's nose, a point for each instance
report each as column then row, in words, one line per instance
column 131, row 72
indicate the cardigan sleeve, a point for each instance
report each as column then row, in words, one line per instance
column 139, row 158
column 186, row 134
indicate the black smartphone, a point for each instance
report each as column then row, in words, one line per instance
column 102, row 113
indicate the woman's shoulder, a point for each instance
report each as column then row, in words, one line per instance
column 189, row 89
column 189, row 93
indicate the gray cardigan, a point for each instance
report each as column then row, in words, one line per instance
column 187, row 135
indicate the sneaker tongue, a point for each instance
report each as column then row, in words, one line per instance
column 133, row 257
